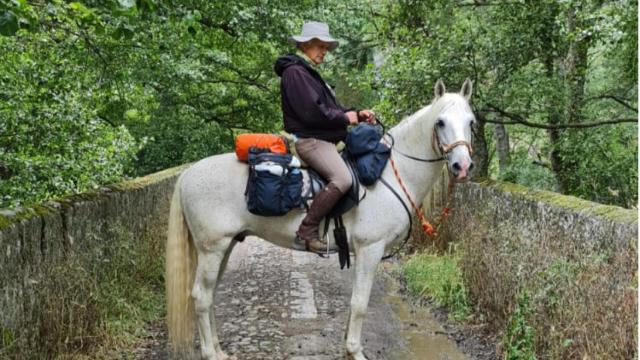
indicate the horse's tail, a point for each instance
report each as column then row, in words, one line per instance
column 180, row 269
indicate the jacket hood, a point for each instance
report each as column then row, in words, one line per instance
column 285, row 61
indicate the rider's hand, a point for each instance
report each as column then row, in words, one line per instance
column 352, row 116
column 367, row 115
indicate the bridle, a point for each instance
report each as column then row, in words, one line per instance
column 438, row 147
column 445, row 149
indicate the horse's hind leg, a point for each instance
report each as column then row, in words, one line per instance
column 208, row 273
column 212, row 317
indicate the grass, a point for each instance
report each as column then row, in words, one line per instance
column 552, row 298
column 131, row 289
column 438, row 277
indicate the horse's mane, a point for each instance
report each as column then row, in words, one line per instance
column 435, row 107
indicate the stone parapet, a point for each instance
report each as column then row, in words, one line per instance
column 34, row 239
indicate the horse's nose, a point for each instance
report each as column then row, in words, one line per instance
column 461, row 170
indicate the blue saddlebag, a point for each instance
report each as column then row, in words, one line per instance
column 369, row 154
column 273, row 188
column 370, row 165
column 363, row 138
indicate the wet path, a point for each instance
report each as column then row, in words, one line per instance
column 280, row 304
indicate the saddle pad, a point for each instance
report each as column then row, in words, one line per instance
column 312, row 183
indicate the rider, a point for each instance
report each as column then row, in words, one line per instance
column 317, row 122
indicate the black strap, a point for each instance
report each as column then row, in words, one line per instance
column 340, row 236
column 393, row 141
column 406, row 208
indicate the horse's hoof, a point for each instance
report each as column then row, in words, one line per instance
column 357, row 356
column 223, row 356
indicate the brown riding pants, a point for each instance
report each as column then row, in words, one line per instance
column 323, row 157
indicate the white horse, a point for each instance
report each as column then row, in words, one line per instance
column 208, row 204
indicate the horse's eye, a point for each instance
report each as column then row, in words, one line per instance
column 440, row 123
column 473, row 122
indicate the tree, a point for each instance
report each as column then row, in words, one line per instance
column 538, row 65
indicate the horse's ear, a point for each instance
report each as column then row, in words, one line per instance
column 467, row 89
column 439, row 89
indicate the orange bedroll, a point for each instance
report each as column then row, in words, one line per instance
column 269, row 142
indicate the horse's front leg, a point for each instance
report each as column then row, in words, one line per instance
column 367, row 259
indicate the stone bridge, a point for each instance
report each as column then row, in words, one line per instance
column 37, row 239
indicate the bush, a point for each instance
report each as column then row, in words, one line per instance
column 519, row 338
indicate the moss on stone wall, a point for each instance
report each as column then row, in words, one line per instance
column 613, row 213
column 145, row 181
column 9, row 217
column 24, row 214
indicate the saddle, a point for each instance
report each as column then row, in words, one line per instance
column 347, row 202
column 275, row 191
column 365, row 157
column 316, row 182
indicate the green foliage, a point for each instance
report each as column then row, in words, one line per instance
column 613, row 155
column 8, row 23
column 94, row 91
column 51, row 139
column 440, row 278
column 8, row 340
column 541, row 62
column 518, row 341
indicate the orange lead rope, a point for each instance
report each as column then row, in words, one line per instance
column 430, row 230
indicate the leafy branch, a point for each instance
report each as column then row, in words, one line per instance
column 518, row 119
column 619, row 100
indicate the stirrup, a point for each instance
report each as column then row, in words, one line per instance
column 299, row 244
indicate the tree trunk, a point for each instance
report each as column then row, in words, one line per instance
column 481, row 154
column 5, row 172
column 502, row 146
column 575, row 66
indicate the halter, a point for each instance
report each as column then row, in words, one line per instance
column 445, row 149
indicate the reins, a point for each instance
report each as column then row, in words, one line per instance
column 430, row 230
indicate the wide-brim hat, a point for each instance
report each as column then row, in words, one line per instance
column 315, row 30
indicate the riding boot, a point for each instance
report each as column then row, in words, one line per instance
column 308, row 234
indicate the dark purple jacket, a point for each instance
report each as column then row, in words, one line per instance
column 309, row 108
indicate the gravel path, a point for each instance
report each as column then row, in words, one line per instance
column 276, row 303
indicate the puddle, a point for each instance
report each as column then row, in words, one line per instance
column 426, row 339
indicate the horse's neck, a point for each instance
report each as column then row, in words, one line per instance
column 413, row 137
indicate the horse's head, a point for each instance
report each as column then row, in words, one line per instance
column 452, row 128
